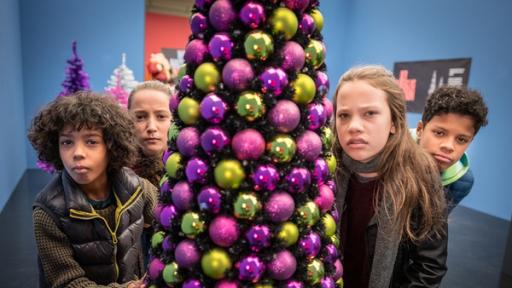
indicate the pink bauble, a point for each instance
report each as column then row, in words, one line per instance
column 280, row 206
column 285, row 116
column 226, row 284
column 282, row 266
column 182, row 196
column 248, row 144
column 155, row 268
column 293, row 56
column 325, row 198
column 187, row 254
column 338, row 270
column 297, row 5
column 222, row 15
column 237, row 74
column 327, row 107
column 188, row 141
column 195, row 52
column 224, row 231
column 309, row 145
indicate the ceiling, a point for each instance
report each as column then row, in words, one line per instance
column 170, row 7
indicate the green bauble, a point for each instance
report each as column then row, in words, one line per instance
column 331, row 163
column 288, row 233
column 250, row 106
column 215, row 263
column 315, row 272
column 206, row 77
column 308, row 214
column 335, row 240
column 315, row 53
column 329, row 225
column 263, row 286
column 188, row 111
column 258, row 46
column 170, row 274
column 318, row 18
column 182, row 72
column 282, row 148
column 340, row 283
column 192, row 225
column 173, row 164
column 327, row 138
column 157, row 239
column 304, row 89
column 246, row 206
column 173, row 132
column 229, row 174
column 283, row 20
column 162, row 180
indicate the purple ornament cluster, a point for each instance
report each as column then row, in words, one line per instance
column 248, row 197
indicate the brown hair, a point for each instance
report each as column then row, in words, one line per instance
column 150, row 85
column 410, row 180
column 90, row 110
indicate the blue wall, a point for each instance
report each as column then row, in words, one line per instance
column 385, row 32
column 103, row 30
column 12, row 121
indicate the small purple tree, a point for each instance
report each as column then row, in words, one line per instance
column 76, row 78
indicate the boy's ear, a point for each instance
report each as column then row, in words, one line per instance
column 419, row 129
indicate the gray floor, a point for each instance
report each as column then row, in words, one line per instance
column 476, row 246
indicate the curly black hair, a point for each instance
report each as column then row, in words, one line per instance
column 459, row 100
column 92, row 111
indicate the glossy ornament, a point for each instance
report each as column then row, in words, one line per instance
column 209, row 199
column 310, row 244
column 213, row 108
column 197, row 170
column 250, row 106
column 318, row 18
column 288, row 232
column 170, row 274
column 298, row 180
column 198, row 24
column 284, row 21
column 167, row 216
column 157, row 239
column 325, row 198
column 188, row 111
column 282, row 148
column 331, row 163
column 316, row 116
column 206, row 77
column 273, row 80
column 252, row 14
column 327, row 138
column 265, row 177
column 322, row 85
column 215, row 263
column 173, row 165
column 186, row 85
column 329, row 225
column 213, row 140
column 304, row 89
column 221, row 47
column 250, row 268
column 315, row 271
column 246, row 206
column 307, row 25
column 308, row 214
column 258, row 46
column 320, row 171
column 258, row 237
column 297, row 5
column 192, row 225
column 229, row 174
column 315, row 53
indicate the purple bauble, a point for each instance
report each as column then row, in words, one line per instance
column 196, row 170
column 155, row 268
column 182, row 196
column 166, row 216
column 173, row 102
column 224, row 231
column 209, row 199
column 221, row 47
column 293, row 57
column 201, row 4
column 237, row 74
column 338, row 269
column 316, row 116
column 320, row 171
column 248, row 144
column 164, row 188
column 188, row 141
column 325, row 198
column 273, row 80
column 198, row 24
column 297, row 5
column 252, row 14
column 293, row 284
column 168, row 245
column 307, row 24
column 187, row 254
column 327, row 107
column 214, row 139
column 258, row 237
column 250, row 268
column 331, row 253
column 279, row 206
column 213, row 108
column 322, row 84
column 282, row 266
column 298, row 180
column 310, row 244
column 285, row 116
column 327, row 282
column 186, row 84
column 226, row 284
column 331, row 184
column 309, row 145
column 195, row 52
column 222, row 15
column 166, row 155
column 192, row 283
column 265, row 177
column 335, row 214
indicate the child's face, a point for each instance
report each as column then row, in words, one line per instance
column 84, row 155
column 446, row 137
column 363, row 120
column 152, row 120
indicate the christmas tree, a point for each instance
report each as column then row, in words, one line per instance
column 247, row 199
column 122, row 76
column 118, row 91
column 76, row 78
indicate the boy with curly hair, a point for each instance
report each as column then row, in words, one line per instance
column 89, row 218
column 450, row 121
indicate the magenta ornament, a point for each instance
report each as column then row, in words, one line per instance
column 320, row 171
column 186, row 84
column 167, row 214
column 214, row 139
column 338, row 269
column 316, row 116
column 192, row 283
column 213, row 108
column 226, row 284
column 168, row 245
column 273, row 80
column 157, row 211
column 201, row 4
column 166, row 155
column 331, row 253
column 224, row 231
column 327, row 282
column 325, row 198
column 293, row 56
column 164, row 188
column 209, row 199
column 293, row 284
column 173, row 102
column 327, row 107
column 250, row 268
column 156, row 266
column 322, row 83
column 335, row 214
column 237, row 74
column 282, row 266
column 248, row 144
column 265, row 177
column 198, row 24
column 182, row 196
column 221, row 47
column 188, row 141
column 222, row 15
column 196, row 170
column 252, row 14
column 297, row 5
column 285, row 116
column 310, row 244
column 298, row 180
column 309, row 145
column 258, row 237
column 187, row 254
column 195, row 52
column 279, row 206
column 331, row 184
column 307, row 24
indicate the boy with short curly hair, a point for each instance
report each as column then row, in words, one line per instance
column 89, row 218
column 452, row 117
